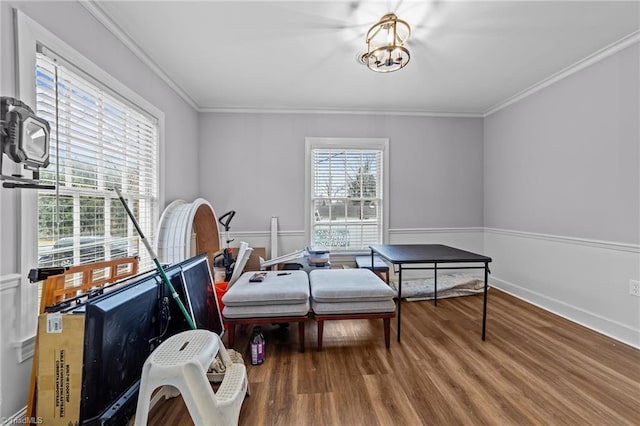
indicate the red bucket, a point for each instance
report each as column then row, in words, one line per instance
column 221, row 289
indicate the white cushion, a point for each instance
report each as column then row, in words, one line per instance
column 348, row 285
column 275, row 289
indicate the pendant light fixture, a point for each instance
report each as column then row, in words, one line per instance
column 386, row 51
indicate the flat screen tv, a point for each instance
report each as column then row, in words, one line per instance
column 124, row 326
column 201, row 297
column 193, row 282
column 121, row 330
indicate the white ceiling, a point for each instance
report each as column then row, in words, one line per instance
column 466, row 57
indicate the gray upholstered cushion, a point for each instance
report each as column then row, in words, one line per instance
column 352, row 307
column 292, row 288
column 348, row 285
column 266, row 311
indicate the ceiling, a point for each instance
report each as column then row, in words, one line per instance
column 467, row 57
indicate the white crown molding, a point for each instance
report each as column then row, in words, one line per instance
column 253, row 110
column 595, row 57
column 106, row 20
column 610, row 245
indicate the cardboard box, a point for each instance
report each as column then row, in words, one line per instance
column 60, row 351
column 253, row 264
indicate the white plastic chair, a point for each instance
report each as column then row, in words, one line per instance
column 182, row 361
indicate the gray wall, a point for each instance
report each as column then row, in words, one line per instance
column 254, row 164
column 73, row 24
column 562, row 196
column 564, row 161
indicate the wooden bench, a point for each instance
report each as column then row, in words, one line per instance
column 345, row 294
column 282, row 297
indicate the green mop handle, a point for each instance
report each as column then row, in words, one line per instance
column 153, row 255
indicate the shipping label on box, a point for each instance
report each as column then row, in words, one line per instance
column 60, row 351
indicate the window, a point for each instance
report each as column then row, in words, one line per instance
column 99, row 140
column 346, row 187
column 30, row 38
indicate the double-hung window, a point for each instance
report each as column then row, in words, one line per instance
column 346, row 192
column 103, row 134
column 99, row 141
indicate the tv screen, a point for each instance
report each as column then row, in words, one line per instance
column 201, row 297
column 121, row 330
column 193, row 283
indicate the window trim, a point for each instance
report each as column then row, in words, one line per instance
column 27, row 35
column 347, row 143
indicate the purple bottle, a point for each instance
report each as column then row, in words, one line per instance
column 257, row 346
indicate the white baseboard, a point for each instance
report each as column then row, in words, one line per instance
column 18, row 418
column 593, row 321
column 585, row 281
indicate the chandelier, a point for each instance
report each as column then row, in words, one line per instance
column 385, row 45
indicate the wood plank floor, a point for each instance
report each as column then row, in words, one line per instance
column 535, row 368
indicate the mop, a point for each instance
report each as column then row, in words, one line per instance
column 154, row 256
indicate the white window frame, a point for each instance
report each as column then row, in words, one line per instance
column 381, row 144
column 28, row 34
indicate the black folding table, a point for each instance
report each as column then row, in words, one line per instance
column 413, row 254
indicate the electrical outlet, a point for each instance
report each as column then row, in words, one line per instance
column 634, row 287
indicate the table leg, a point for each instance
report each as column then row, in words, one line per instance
column 399, row 297
column 484, row 303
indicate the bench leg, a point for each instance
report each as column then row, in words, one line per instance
column 301, row 335
column 232, row 335
column 320, row 331
column 387, row 331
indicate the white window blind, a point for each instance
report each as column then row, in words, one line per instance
column 346, row 197
column 98, row 141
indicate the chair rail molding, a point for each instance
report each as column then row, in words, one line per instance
column 9, row 281
column 611, row 245
column 23, row 345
